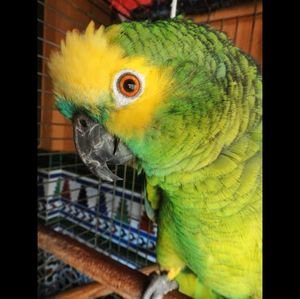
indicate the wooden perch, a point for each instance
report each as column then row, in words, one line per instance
column 94, row 289
column 128, row 283
column 89, row 291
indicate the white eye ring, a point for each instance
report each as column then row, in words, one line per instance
column 124, row 97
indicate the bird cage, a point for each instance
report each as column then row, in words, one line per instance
column 109, row 218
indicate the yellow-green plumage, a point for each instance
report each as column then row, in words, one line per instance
column 213, row 223
column 206, row 161
column 196, row 132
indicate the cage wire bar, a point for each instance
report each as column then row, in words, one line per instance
column 106, row 217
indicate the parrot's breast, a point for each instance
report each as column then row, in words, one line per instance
column 216, row 224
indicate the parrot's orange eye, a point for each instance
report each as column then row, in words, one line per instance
column 129, row 85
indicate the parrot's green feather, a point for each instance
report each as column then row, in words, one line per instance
column 206, row 155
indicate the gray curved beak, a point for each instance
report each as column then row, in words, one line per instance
column 96, row 147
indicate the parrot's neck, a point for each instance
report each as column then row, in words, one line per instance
column 222, row 188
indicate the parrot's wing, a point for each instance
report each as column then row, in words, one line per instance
column 153, row 197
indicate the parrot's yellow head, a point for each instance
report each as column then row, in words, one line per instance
column 92, row 72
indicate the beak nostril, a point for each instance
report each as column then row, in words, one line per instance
column 83, row 123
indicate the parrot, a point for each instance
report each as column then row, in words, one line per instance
column 183, row 101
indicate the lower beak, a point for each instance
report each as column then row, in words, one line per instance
column 96, row 147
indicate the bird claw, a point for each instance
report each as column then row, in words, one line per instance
column 159, row 286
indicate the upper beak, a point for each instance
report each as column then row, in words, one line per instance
column 96, row 147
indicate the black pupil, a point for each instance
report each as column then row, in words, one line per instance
column 129, row 85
